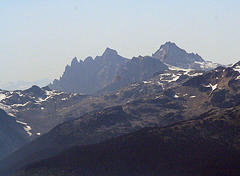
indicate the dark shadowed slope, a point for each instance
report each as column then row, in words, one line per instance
column 207, row 146
column 135, row 70
column 13, row 134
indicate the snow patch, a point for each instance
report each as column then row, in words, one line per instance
column 237, row 68
column 147, row 82
column 237, row 78
column 207, row 65
column 2, row 97
column 8, row 109
column 213, row 87
column 64, row 99
column 20, row 105
column 26, row 127
column 195, row 74
column 174, row 78
column 176, row 96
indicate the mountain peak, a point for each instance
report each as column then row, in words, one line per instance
column 171, row 54
column 89, row 59
column 169, row 44
column 109, row 52
column 236, row 65
column 37, row 91
column 74, row 61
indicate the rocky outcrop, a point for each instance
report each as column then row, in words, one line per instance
column 171, row 54
column 90, row 75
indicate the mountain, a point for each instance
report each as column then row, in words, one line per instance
column 111, row 72
column 170, row 97
column 171, row 54
column 21, row 85
column 205, row 146
column 13, row 134
column 135, row 70
column 90, row 75
column 40, row 108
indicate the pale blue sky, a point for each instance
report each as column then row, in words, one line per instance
column 39, row 37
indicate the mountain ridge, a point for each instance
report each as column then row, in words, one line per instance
column 169, row 53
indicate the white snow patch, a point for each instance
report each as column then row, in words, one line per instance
column 8, row 109
column 147, row 82
column 20, row 105
column 64, row 99
column 26, row 127
column 170, row 67
column 212, row 86
column 207, row 65
column 237, row 78
column 176, row 96
column 38, row 134
column 2, row 97
column 23, row 123
column 174, row 78
column 195, row 74
column 237, row 68
column 50, row 94
column 42, row 108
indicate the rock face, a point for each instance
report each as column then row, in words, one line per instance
column 171, row 54
column 135, row 70
column 13, row 134
column 90, row 75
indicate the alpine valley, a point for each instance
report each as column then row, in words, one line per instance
column 171, row 113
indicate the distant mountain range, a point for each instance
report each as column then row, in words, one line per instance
column 21, row 85
column 172, row 113
column 111, row 71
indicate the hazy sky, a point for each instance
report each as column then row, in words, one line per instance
column 39, row 37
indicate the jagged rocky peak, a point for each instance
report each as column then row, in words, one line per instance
column 89, row 59
column 171, row 54
column 109, row 52
column 74, row 61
